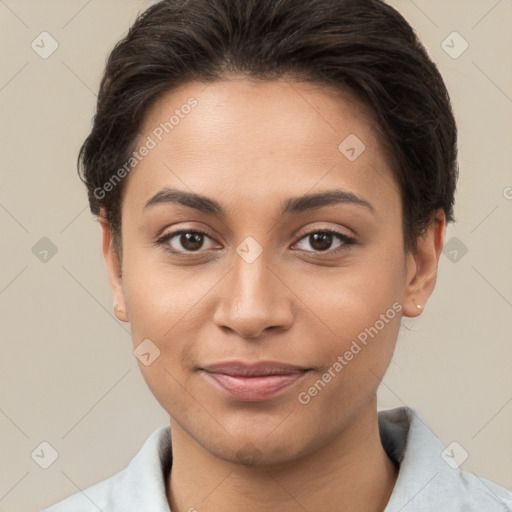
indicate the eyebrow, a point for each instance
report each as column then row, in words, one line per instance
column 293, row 205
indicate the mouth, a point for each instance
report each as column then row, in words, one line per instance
column 253, row 382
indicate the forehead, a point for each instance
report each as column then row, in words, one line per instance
column 241, row 136
column 254, row 111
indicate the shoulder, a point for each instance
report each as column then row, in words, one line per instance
column 92, row 499
column 142, row 482
column 429, row 477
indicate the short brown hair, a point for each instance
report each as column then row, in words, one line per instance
column 364, row 46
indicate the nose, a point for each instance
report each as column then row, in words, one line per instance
column 253, row 300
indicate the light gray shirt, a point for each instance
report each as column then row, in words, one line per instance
column 429, row 478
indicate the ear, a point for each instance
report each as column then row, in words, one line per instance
column 113, row 268
column 422, row 266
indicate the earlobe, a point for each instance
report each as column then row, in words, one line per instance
column 114, row 270
column 120, row 313
column 422, row 266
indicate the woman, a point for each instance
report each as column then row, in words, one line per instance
column 273, row 179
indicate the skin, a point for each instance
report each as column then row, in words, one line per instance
column 251, row 146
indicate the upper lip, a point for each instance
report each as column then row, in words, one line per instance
column 255, row 369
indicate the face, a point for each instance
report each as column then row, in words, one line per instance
column 265, row 264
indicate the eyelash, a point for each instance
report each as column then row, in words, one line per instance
column 346, row 240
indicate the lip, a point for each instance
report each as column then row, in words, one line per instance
column 253, row 382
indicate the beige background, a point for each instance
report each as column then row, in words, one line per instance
column 67, row 371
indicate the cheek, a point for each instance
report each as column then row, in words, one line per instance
column 355, row 363
column 159, row 296
column 347, row 299
column 356, row 313
column 171, row 307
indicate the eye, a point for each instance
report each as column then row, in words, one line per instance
column 322, row 241
column 188, row 241
column 184, row 241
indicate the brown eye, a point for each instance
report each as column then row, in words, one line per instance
column 322, row 241
column 191, row 241
column 185, row 241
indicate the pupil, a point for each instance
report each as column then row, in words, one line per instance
column 321, row 241
column 191, row 241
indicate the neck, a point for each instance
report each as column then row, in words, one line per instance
column 352, row 472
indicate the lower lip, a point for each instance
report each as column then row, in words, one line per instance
column 254, row 389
